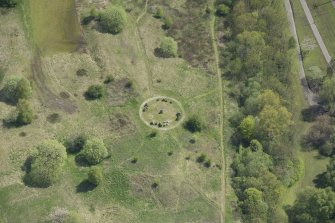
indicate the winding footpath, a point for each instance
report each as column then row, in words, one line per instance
column 220, row 86
column 309, row 95
column 315, row 31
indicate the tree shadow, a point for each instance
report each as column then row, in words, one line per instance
column 85, row 186
column 310, row 114
column 81, row 161
column 319, row 181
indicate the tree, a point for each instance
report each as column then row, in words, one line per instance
column 313, row 206
column 25, row 113
column 268, row 97
column 247, row 127
column 94, row 92
column 17, row 88
column 327, row 179
column 327, row 93
column 159, row 13
column 222, row 10
column 95, row 175
column 113, row 20
column 193, row 124
column 168, row 48
column 94, row 151
column 253, row 206
column 76, row 143
column 274, row 122
column 168, row 22
column 46, row 164
column 255, row 145
column 8, row 3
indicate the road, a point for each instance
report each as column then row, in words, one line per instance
column 315, row 31
column 309, row 95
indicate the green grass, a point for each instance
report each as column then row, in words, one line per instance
column 54, row 25
column 305, row 35
column 324, row 17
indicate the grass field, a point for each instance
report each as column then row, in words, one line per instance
column 324, row 17
column 307, row 40
column 187, row 191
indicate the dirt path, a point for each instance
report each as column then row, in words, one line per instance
column 220, row 86
column 315, row 31
column 309, row 95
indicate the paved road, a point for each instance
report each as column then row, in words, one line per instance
column 315, row 31
column 309, row 95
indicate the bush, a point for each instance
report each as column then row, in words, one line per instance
column 17, row 88
column 46, row 164
column 168, row 48
column 113, row 20
column 76, row 143
column 168, row 22
column 222, row 10
column 8, row 3
column 25, row 113
column 95, row 175
column 94, row 92
column 193, row 125
column 159, row 13
column 94, row 151
column 109, row 79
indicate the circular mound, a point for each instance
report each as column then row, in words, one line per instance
column 162, row 113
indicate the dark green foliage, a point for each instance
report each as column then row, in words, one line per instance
column 222, row 10
column 313, row 206
column 94, row 151
column 201, row 158
column 94, row 92
column 327, row 93
column 25, row 113
column 168, row 48
column 292, row 43
column 159, row 13
column 8, row 3
column 76, row 143
column 247, row 127
column 327, row 179
column 253, row 206
column 81, row 72
column 168, row 22
column 113, row 20
column 95, row 175
column 46, row 164
column 153, row 134
column 17, row 88
column 314, row 78
column 255, row 145
column 193, row 124
column 208, row 164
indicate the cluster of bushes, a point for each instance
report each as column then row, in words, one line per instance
column 257, row 62
column 17, row 90
column 167, row 20
column 44, row 166
column 8, row 3
column 168, row 48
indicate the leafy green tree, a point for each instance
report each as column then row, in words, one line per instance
column 95, row 175
column 25, row 113
column 327, row 179
column 327, row 93
column 46, row 164
column 168, row 22
column 253, row 207
column 168, row 48
column 255, row 145
column 313, row 206
column 76, row 143
column 222, row 10
column 247, row 127
column 193, row 124
column 17, row 88
column 113, row 20
column 94, row 92
column 94, row 151
column 274, row 122
column 268, row 97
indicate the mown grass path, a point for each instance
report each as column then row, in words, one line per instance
column 220, row 86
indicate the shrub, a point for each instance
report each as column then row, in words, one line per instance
column 168, row 48
column 94, row 151
column 159, row 13
column 76, row 143
column 17, row 88
column 25, row 113
column 193, row 125
column 222, row 10
column 201, row 158
column 109, row 79
column 113, row 20
column 95, row 175
column 247, row 127
column 8, row 3
column 94, row 92
column 168, row 22
column 46, row 164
